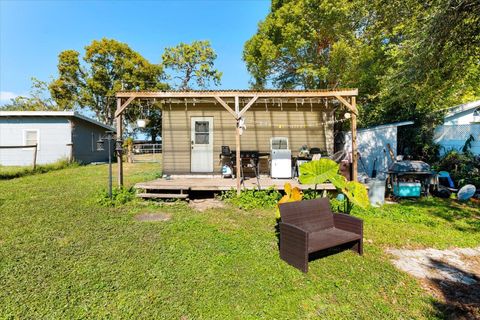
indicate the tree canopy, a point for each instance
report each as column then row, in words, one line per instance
column 192, row 63
column 108, row 66
column 409, row 59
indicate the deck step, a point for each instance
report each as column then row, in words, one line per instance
column 147, row 186
column 162, row 195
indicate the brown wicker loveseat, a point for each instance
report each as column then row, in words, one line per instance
column 310, row 226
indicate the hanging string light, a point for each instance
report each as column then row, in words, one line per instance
column 268, row 124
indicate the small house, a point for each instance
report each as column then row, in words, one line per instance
column 460, row 123
column 204, row 130
column 57, row 135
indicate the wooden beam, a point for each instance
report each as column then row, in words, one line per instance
column 119, row 137
column 232, row 94
column 226, row 106
column 354, row 143
column 237, row 148
column 121, row 107
column 352, row 107
column 249, row 104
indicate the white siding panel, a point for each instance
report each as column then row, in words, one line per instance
column 461, row 118
column 54, row 136
column 371, row 145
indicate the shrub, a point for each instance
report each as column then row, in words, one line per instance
column 120, row 195
column 252, row 199
column 310, row 194
column 464, row 167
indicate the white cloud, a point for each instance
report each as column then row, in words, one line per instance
column 5, row 96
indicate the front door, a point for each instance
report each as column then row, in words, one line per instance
column 202, row 144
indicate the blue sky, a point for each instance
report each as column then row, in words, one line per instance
column 33, row 33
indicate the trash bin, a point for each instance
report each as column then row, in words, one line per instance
column 376, row 192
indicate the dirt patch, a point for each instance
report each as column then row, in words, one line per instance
column 205, row 204
column 452, row 276
column 152, row 217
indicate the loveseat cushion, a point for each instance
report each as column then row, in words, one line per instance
column 328, row 238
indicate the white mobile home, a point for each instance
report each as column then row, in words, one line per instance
column 58, row 135
column 459, row 124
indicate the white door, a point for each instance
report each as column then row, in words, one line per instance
column 202, row 144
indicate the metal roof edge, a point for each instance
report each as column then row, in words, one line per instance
column 231, row 93
column 388, row 125
column 73, row 114
column 98, row 123
column 462, row 108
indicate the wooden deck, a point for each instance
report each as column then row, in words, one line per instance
column 184, row 185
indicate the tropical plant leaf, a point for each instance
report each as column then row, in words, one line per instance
column 288, row 189
column 284, row 199
column 291, row 195
column 319, row 171
column 356, row 194
column 296, row 194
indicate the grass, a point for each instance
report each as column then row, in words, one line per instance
column 64, row 256
column 12, row 172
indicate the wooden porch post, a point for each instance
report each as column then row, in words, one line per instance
column 237, row 146
column 354, row 142
column 119, row 137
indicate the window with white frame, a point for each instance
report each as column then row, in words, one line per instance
column 30, row 138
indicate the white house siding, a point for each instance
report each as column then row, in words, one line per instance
column 456, row 129
column 53, row 133
column 461, row 118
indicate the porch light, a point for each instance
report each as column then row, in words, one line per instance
column 100, row 144
column 347, row 115
column 119, row 146
column 108, row 136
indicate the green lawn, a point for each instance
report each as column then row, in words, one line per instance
column 64, row 256
column 11, row 172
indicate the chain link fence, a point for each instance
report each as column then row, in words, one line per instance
column 455, row 136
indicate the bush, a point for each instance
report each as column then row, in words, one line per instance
column 310, row 194
column 120, row 195
column 252, row 199
column 464, row 167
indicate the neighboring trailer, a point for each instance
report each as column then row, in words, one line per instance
column 460, row 123
column 301, row 124
column 59, row 135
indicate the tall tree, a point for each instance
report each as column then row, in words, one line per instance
column 109, row 66
column 409, row 59
column 306, row 44
column 432, row 61
column 192, row 64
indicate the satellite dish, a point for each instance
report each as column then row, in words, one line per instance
column 466, row 192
